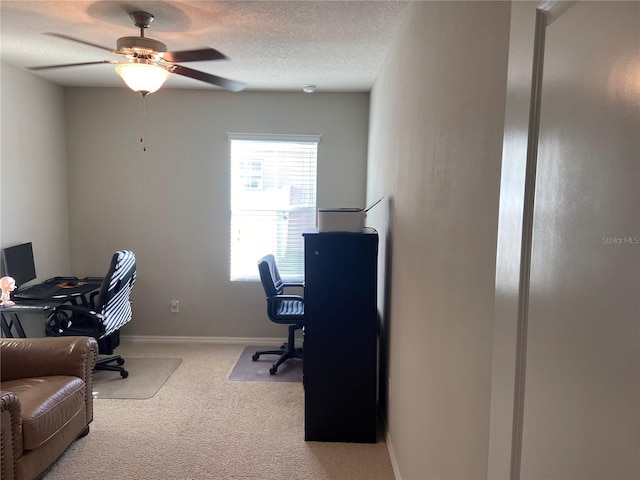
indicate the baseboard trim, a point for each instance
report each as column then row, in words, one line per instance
column 258, row 341
column 392, row 455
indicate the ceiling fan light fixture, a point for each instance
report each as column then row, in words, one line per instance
column 143, row 78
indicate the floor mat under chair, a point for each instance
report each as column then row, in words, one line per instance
column 146, row 377
column 247, row 370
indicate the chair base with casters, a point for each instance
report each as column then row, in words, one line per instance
column 106, row 346
column 104, row 364
column 287, row 351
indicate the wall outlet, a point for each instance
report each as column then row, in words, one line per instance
column 175, row 306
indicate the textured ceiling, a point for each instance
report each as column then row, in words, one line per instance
column 271, row 45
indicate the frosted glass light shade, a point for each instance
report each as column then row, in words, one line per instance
column 142, row 77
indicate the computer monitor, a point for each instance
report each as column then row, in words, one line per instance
column 19, row 263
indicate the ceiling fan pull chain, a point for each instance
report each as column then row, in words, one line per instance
column 143, row 116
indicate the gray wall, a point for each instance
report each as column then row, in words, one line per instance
column 33, row 175
column 76, row 182
column 170, row 204
column 436, row 123
column 33, row 201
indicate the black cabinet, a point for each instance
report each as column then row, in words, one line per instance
column 340, row 339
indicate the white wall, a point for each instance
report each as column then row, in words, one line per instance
column 170, row 205
column 34, row 173
column 33, row 180
column 436, row 124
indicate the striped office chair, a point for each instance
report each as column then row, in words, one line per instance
column 108, row 310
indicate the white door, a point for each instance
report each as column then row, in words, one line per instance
column 582, row 390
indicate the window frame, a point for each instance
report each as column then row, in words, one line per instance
column 256, row 185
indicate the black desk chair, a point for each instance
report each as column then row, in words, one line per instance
column 281, row 308
column 109, row 310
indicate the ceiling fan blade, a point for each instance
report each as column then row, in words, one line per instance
column 73, row 39
column 64, row 65
column 207, row 77
column 197, row 55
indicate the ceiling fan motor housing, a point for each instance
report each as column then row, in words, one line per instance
column 140, row 45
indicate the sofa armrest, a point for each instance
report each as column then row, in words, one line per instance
column 41, row 357
column 10, row 434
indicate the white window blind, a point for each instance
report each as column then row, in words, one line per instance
column 273, row 200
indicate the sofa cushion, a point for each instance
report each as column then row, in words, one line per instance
column 48, row 404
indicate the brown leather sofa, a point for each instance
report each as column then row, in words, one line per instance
column 46, row 400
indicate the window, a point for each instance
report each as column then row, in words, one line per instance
column 273, row 200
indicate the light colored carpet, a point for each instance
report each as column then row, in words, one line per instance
column 146, row 377
column 202, row 426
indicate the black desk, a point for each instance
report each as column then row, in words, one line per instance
column 9, row 317
column 63, row 289
column 340, row 337
column 79, row 295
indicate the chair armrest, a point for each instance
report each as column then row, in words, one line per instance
column 285, row 308
column 39, row 357
column 92, row 297
column 301, row 285
column 61, row 319
column 277, row 298
column 10, row 433
column 78, row 310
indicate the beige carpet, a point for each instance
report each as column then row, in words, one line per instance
column 146, row 377
column 202, row 426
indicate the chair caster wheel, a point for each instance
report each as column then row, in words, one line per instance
column 255, row 357
column 124, row 374
column 120, row 361
column 273, row 370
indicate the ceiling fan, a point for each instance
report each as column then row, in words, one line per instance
column 148, row 63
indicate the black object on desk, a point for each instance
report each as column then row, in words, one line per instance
column 60, row 290
column 63, row 288
column 340, row 338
